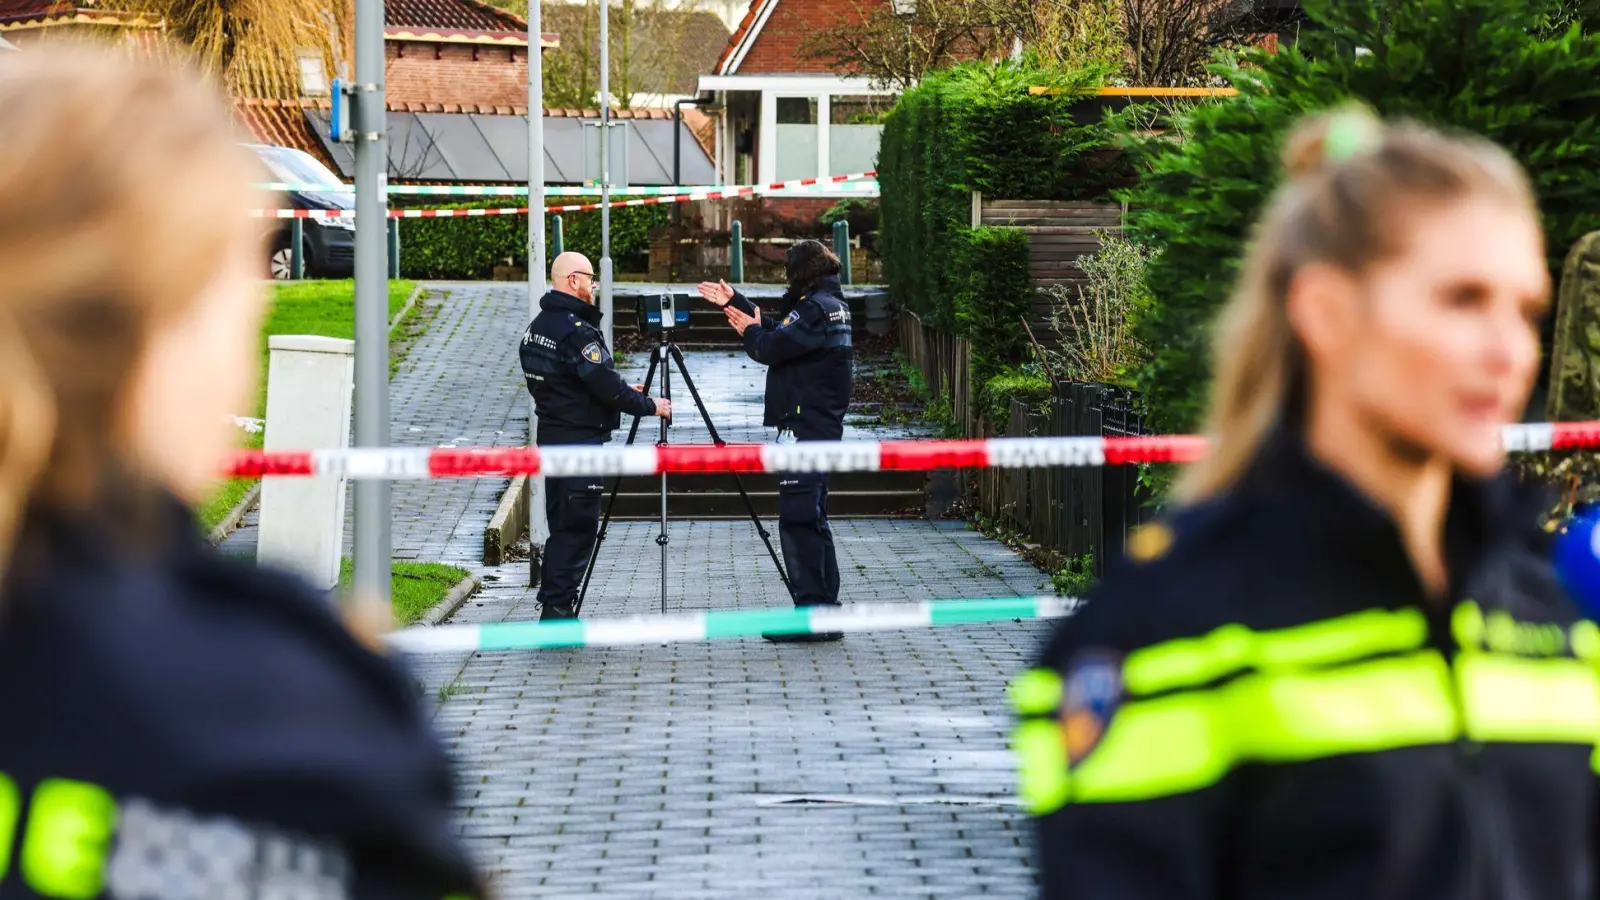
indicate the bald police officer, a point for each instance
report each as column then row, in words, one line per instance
column 580, row 399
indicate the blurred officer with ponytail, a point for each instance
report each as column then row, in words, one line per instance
column 810, row 365
column 1342, row 668
column 173, row 724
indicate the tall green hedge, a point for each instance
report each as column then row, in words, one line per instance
column 470, row 248
column 1498, row 68
column 978, row 127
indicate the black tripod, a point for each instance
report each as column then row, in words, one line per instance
column 665, row 349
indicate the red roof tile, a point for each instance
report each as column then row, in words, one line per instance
column 746, row 25
column 469, row 15
column 28, row 9
column 281, row 122
column 27, row 12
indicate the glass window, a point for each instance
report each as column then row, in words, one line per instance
column 855, row 126
column 797, row 138
column 297, row 167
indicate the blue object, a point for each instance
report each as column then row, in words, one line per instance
column 336, row 111
column 1577, row 560
column 679, row 316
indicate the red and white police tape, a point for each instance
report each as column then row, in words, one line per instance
column 798, row 186
column 818, row 456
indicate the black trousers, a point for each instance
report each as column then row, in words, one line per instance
column 807, row 540
column 573, row 508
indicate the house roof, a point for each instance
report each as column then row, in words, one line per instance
column 743, row 36
column 437, row 142
column 462, row 15
column 16, row 14
column 446, row 21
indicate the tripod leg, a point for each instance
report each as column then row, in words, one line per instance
column 749, row 505
column 661, row 539
column 616, row 486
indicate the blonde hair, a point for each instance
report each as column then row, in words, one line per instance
column 123, row 190
column 1352, row 179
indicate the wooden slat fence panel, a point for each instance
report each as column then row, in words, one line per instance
column 1059, row 232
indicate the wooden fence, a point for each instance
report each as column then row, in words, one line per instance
column 1072, row 512
column 945, row 362
column 1059, row 232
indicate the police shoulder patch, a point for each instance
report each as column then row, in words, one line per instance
column 1091, row 692
column 792, row 317
column 1150, row 543
column 593, row 353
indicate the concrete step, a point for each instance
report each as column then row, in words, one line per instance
column 850, row 494
column 841, row 505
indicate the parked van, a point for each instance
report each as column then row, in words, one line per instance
column 329, row 245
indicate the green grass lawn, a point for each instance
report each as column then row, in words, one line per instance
column 325, row 308
column 415, row 587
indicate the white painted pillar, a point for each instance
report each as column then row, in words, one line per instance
column 310, row 385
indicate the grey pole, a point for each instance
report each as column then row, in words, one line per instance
column 536, row 263
column 372, row 540
column 538, row 528
column 605, row 172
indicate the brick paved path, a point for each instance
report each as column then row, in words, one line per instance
column 875, row 767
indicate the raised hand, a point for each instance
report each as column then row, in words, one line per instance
column 717, row 292
column 740, row 321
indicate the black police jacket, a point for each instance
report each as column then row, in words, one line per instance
column 810, row 360
column 181, row 725
column 1264, row 703
column 579, row 396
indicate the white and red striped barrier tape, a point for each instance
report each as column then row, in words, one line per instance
column 799, row 185
column 867, row 181
column 819, row 456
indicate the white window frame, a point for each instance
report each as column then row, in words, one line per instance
column 767, row 154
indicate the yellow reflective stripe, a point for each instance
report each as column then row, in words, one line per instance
column 1042, row 779
column 69, row 832
column 1586, row 641
column 1035, row 692
column 10, row 812
column 1387, row 703
column 1154, row 748
column 1187, row 741
column 1466, row 625
column 1508, row 698
column 1188, row 662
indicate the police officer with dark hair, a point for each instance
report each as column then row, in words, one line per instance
column 809, row 356
column 580, row 400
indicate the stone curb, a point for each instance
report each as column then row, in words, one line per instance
column 235, row 516
column 507, row 523
column 452, row 601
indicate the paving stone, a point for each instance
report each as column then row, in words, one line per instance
column 653, row 772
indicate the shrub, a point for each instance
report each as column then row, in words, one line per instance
column 978, row 127
column 1493, row 67
column 469, row 248
column 1096, row 321
column 997, row 393
column 1075, row 578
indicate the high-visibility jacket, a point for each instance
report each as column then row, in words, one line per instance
column 1264, row 701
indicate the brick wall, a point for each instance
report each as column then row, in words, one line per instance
column 449, row 73
column 777, row 47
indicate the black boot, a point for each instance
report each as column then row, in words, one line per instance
column 557, row 612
